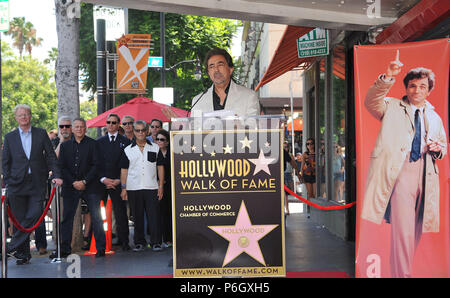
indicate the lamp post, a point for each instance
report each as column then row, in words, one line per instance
column 197, row 72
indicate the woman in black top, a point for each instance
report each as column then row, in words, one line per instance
column 162, row 139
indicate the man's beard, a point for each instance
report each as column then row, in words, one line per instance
column 219, row 78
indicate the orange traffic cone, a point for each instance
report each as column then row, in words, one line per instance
column 107, row 226
column 108, row 232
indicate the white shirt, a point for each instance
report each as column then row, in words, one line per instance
column 115, row 136
column 142, row 173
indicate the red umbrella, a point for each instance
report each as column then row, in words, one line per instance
column 141, row 108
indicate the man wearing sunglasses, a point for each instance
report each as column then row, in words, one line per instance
column 155, row 126
column 142, row 179
column 111, row 150
column 65, row 131
column 127, row 124
column 224, row 94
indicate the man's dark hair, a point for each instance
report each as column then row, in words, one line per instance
column 221, row 52
column 420, row 73
column 160, row 122
column 114, row 115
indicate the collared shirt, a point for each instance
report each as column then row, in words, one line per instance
column 142, row 166
column 115, row 136
column 78, row 148
column 25, row 137
column 216, row 98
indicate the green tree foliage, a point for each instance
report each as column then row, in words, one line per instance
column 187, row 38
column 88, row 110
column 27, row 81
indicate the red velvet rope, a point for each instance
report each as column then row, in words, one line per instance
column 317, row 205
column 29, row 230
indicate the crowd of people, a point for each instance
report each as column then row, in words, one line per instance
column 305, row 170
column 131, row 166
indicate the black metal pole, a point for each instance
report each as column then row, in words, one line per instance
column 4, row 249
column 162, row 21
column 101, row 69
column 3, row 211
column 58, row 222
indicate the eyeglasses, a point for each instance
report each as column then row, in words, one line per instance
column 140, row 130
column 111, row 122
column 161, row 139
column 154, row 126
column 219, row 64
column 309, row 144
column 128, row 123
column 65, row 126
column 23, row 115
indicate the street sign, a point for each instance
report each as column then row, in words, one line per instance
column 163, row 95
column 155, row 62
column 314, row 43
column 4, row 15
column 114, row 21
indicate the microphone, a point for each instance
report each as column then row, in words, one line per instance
column 189, row 111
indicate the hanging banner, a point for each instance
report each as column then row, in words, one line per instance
column 227, row 203
column 133, row 51
column 403, row 167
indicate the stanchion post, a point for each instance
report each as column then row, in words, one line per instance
column 4, row 233
column 57, row 223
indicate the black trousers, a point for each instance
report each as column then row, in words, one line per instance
column 140, row 200
column 26, row 209
column 166, row 214
column 70, row 201
column 119, row 207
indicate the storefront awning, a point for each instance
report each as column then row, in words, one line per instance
column 285, row 57
column 422, row 17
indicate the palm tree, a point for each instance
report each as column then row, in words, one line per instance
column 23, row 35
column 30, row 38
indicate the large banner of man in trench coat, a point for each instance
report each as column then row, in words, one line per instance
column 403, row 168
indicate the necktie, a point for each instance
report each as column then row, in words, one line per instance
column 112, row 138
column 415, row 148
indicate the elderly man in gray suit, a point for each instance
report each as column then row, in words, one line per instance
column 27, row 158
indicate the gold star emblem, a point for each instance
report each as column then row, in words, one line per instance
column 213, row 154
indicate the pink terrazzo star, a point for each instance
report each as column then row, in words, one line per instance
column 243, row 237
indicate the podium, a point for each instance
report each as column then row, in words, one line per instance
column 227, row 196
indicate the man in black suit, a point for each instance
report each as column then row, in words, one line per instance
column 27, row 158
column 111, row 148
column 79, row 162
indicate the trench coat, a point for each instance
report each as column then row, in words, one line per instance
column 392, row 146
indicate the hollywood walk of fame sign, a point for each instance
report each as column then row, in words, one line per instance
column 227, row 203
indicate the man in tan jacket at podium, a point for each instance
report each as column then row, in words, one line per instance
column 224, row 94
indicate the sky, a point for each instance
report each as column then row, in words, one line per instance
column 41, row 13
